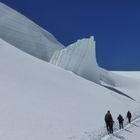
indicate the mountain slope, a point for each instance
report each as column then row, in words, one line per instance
column 41, row 101
column 26, row 35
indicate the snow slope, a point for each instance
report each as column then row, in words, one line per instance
column 128, row 84
column 41, row 101
column 26, row 35
column 132, row 74
column 131, row 132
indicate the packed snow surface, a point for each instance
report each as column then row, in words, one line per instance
column 130, row 132
column 41, row 101
column 26, row 35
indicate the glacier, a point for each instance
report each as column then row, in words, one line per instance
column 40, row 101
column 24, row 34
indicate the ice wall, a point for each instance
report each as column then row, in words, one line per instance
column 26, row 35
column 79, row 58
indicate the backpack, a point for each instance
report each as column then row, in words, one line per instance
column 108, row 118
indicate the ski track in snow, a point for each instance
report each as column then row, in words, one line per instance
column 126, row 128
column 101, row 134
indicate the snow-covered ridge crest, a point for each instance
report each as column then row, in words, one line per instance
column 24, row 34
column 80, row 58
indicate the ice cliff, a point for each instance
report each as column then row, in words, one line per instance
column 80, row 58
column 26, row 35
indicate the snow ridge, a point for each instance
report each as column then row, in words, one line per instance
column 24, row 34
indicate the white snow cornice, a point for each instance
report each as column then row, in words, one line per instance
column 24, row 34
column 80, row 58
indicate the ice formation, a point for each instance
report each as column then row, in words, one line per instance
column 26, row 35
column 80, row 58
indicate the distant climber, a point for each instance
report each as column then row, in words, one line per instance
column 129, row 116
column 120, row 120
column 109, row 122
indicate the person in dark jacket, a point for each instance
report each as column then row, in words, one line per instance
column 120, row 119
column 109, row 122
column 129, row 116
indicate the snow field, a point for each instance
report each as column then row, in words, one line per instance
column 41, row 101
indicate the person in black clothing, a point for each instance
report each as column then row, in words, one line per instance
column 120, row 119
column 111, row 126
column 109, row 122
column 129, row 116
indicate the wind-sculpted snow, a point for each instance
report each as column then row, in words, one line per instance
column 79, row 58
column 26, row 35
column 105, row 77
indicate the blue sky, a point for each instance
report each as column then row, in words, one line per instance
column 115, row 24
